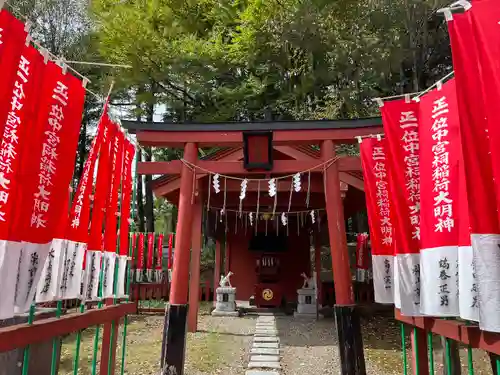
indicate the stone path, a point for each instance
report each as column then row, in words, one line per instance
column 265, row 353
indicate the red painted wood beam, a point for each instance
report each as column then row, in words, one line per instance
column 235, row 138
column 336, row 228
column 352, row 180
column 218, row 254
column 194, row 279
column 346, row 163
column 180, row 273
column 455, row 330
column 19, row 336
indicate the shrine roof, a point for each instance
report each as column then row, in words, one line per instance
column 134, row 126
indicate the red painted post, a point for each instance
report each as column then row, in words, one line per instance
column 174, row 339
column 420, row 361
column 217, row 267
column 336, row 229
column 207, row 291
column 227, row 258
column 194, row 282
column 317, row 266
column 347, row 319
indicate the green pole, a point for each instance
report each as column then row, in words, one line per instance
column 55, row 342
column 78, row 342
column 403, row 343
column 448, row 355
column 115, row 286
column 128, row 272
column 26, row 355
column 431, row 352
column 99, row 305
column 415, row 343
column 498, row 365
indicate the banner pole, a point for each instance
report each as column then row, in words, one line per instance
column 26, row 355
column 99, row 306
column 129, row 267
column 78, row 342
column 55, row 342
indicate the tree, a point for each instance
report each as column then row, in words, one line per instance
column 283, row 59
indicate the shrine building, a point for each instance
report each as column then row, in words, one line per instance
column 266, row 240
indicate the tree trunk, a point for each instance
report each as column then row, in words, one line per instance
column 149, row 208
column 140, row 199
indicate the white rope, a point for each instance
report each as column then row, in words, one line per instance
column 217, row 209
column 449, row 75
column 322, row 165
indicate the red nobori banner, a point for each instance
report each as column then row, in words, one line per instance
column 382, row 229
column 151, row 247
column 78, row 224
column 18, row 129
column 140, row 253
column 474, row 40
column 53, row 148
column 170, row 247
column 159, row 258
column 111, row 233
column 440, row 152
column 133, row 247
column 12, row 44
column 378, row 202
column 400, row 120
column 485, row 16
column 103, row 186
column 362, row 261
column 129, row 152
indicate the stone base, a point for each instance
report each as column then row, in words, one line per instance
column 302, row 315
column 225, row 313
column 226, row 300
column 306, row 302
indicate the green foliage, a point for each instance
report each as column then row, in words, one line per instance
column 241, row 60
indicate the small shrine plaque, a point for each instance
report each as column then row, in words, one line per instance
column 258, row 150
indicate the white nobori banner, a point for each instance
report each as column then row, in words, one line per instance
column 92, row 275
column 108, row 276
column 10, row 253
column 52, row 271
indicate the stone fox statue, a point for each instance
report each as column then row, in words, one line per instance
column 226, row 280
column 309, row 283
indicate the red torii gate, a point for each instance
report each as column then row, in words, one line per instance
column 190, row 137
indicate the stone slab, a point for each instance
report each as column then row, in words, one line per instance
column 271, row 365
column 225, row 313
column 265, row 327
column 266, row 319
column 265, row 334
column 261, row 372
column 266, row 324
column 267, row 331
column 307, row 316
column 272, row 345
column 264, row 358
column 265, row 339
column 265, row 351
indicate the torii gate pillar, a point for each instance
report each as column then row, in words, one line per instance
column 348, row 324
column 174, row 339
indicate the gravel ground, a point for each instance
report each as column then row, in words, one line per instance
column 221, row 346
column 309, row 347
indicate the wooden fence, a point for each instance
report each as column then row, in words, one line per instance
column 454, row 333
